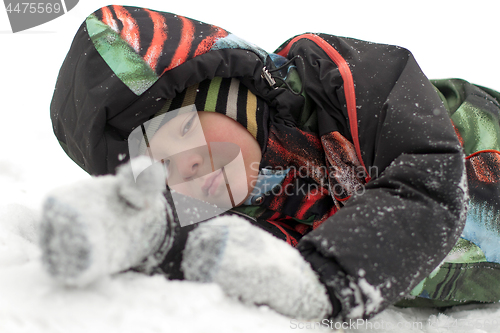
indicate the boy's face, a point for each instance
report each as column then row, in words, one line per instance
column 202, row 152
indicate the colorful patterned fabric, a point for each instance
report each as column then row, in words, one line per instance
column 136, row 43
column 322, row 175
column 140, row 44
column 346, row 176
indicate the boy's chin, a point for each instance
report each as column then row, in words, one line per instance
column 226, row 203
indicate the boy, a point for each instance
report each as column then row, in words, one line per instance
column 376, row 188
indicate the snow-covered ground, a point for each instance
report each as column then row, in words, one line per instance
column 448, row 38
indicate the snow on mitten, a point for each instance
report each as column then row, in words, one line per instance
column 105, row 225
column 255, row 267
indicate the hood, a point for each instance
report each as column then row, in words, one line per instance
column 126, row 63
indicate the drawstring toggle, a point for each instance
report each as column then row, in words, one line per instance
column 267, row 76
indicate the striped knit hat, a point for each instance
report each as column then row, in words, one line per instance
column 223, row 95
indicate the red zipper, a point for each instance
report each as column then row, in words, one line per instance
column 349, row 90
column 482, row 151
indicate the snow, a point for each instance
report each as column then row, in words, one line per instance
column 32, row 163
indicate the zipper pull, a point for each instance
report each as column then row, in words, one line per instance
column 267, row 76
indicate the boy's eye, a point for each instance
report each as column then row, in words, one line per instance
column 188, row 125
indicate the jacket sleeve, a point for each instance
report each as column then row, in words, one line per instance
column 394, row 232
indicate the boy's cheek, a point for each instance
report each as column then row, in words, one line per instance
column 254, row 166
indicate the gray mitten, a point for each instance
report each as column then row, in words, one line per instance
column 105, row 225
column 255, row 267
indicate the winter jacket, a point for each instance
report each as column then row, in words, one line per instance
column 471, row 271
column 362, row 109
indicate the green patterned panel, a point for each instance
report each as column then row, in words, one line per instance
column 462, row 282
column 130, row 68
column 465, row 252
column 479, row 129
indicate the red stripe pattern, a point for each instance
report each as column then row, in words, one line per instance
column 182, row 51
column 159, row 37
column 107, row 17
column 163, row 40
column 346, row 175
column 130, row 31
column 323, row 174
column 483, row 167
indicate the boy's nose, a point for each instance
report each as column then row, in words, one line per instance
column 189, row 166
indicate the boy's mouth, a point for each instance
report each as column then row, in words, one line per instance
column 212, row 183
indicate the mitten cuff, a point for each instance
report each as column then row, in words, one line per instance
column 326, row 268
